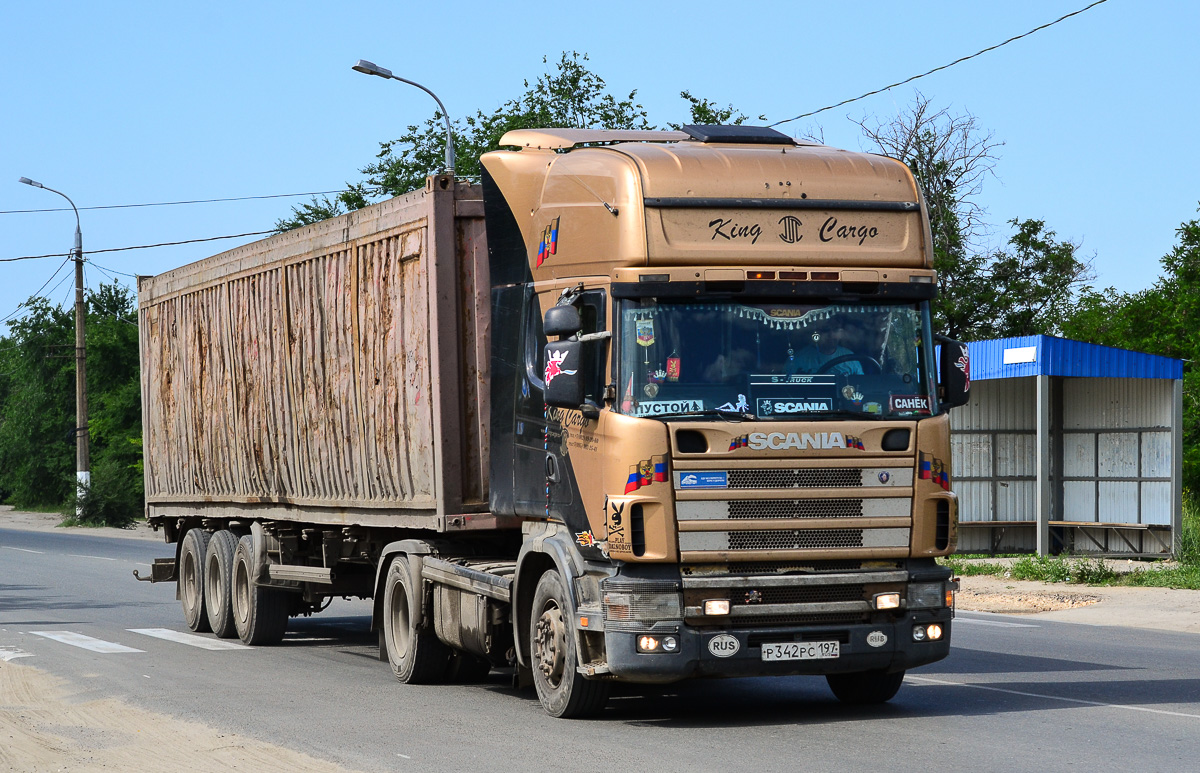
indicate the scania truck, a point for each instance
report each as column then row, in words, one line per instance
column 637, row 406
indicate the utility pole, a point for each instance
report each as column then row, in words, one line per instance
column 83, row 475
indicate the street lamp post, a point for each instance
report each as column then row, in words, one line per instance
column 82, row 461
column 370, row 68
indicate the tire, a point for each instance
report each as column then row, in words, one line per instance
column 865, row 687
column 560, row 687
column 191, row 579
column 415, row 654
column 260, row 613
column 218, row 583
column 467, row 668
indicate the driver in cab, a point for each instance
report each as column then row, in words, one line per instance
column 825, row 347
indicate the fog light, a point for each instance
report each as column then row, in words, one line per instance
column 647, row 644
column 887, row 600
column 670, row 644
column 933, row 631
column 716, row 606
column 918, row 633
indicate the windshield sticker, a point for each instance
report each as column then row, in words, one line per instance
column 741, row 406
column 771, row 407
column 554, row 368
column 645, row 332
column 673, row 367
column 908, row 404
column 645, row 473
column 704, row 479
column 852, row 394
column 872, row 408
column 932, row 468
column 659, row 407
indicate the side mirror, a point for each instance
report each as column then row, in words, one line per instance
column 564, row 372
column 562, row 321
column 955, row 376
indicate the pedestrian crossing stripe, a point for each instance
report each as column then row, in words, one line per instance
column 190, row 639
column 85, row 642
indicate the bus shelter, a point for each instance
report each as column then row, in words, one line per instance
column 1069, row 447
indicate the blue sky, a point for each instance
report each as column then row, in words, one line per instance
column 127, row 103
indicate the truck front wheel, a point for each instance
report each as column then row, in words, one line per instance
column 865, row 687
column 415, row 654
column 560, row 687
column 191, row 579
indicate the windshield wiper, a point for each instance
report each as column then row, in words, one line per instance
column 738, row 415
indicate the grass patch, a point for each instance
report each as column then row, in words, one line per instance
column 1083, row 570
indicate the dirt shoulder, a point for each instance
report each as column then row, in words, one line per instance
column 44, row 727
column 11, row 518
column 1165, row 609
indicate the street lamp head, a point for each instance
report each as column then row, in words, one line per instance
column 27, row 181
column 370, row 68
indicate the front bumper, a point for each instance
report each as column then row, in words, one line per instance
column 860, row 645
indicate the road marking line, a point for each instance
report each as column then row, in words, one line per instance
column 190, row 639
column 8, row 653
column 101, row 558
column 24, row 550
column 85, row 642
column 1052, row 697
column 997, row 623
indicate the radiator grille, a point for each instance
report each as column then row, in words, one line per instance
column 816, row 594
column 795, row 539
column 841, row 477
column 796, row 508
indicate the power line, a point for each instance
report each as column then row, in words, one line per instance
column 39, row 290
column 140, row 246
column 170, row 203
column 943, row 67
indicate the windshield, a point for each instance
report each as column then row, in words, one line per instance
column 775, row 360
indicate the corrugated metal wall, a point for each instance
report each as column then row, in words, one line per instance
column 1115, row 463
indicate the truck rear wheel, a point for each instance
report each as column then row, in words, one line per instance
column 415, row 654
column 218, row 582
column 191, row 579
column 865, row 687
column 260, row 613
column 560, row 687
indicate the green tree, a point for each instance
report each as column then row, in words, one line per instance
column 37, row 407
column 1021, row 289
column 707, row 112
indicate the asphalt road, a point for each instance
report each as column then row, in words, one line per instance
column 1016, row 693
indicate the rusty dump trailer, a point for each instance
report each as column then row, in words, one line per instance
column 638, row 406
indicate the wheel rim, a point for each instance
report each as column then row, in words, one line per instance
column 398, row 617
column 241, row 593
column 550, row 644
column 191, row 585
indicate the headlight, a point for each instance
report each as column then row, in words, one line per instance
column 926, row 595
column 640, row 605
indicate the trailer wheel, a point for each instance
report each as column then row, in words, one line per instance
column 415, row 654
column 865, row 687
column 560, row 687
column 218, row 583
column 260, row 614
column 191, row 579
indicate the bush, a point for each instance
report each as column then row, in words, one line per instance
column 114, row 497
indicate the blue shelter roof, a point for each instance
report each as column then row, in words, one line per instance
column 1050, row 356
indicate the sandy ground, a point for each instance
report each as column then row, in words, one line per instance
column 43, row 728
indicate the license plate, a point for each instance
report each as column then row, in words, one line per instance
column 801, row 650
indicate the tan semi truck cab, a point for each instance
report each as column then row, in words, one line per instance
column 683, row 416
